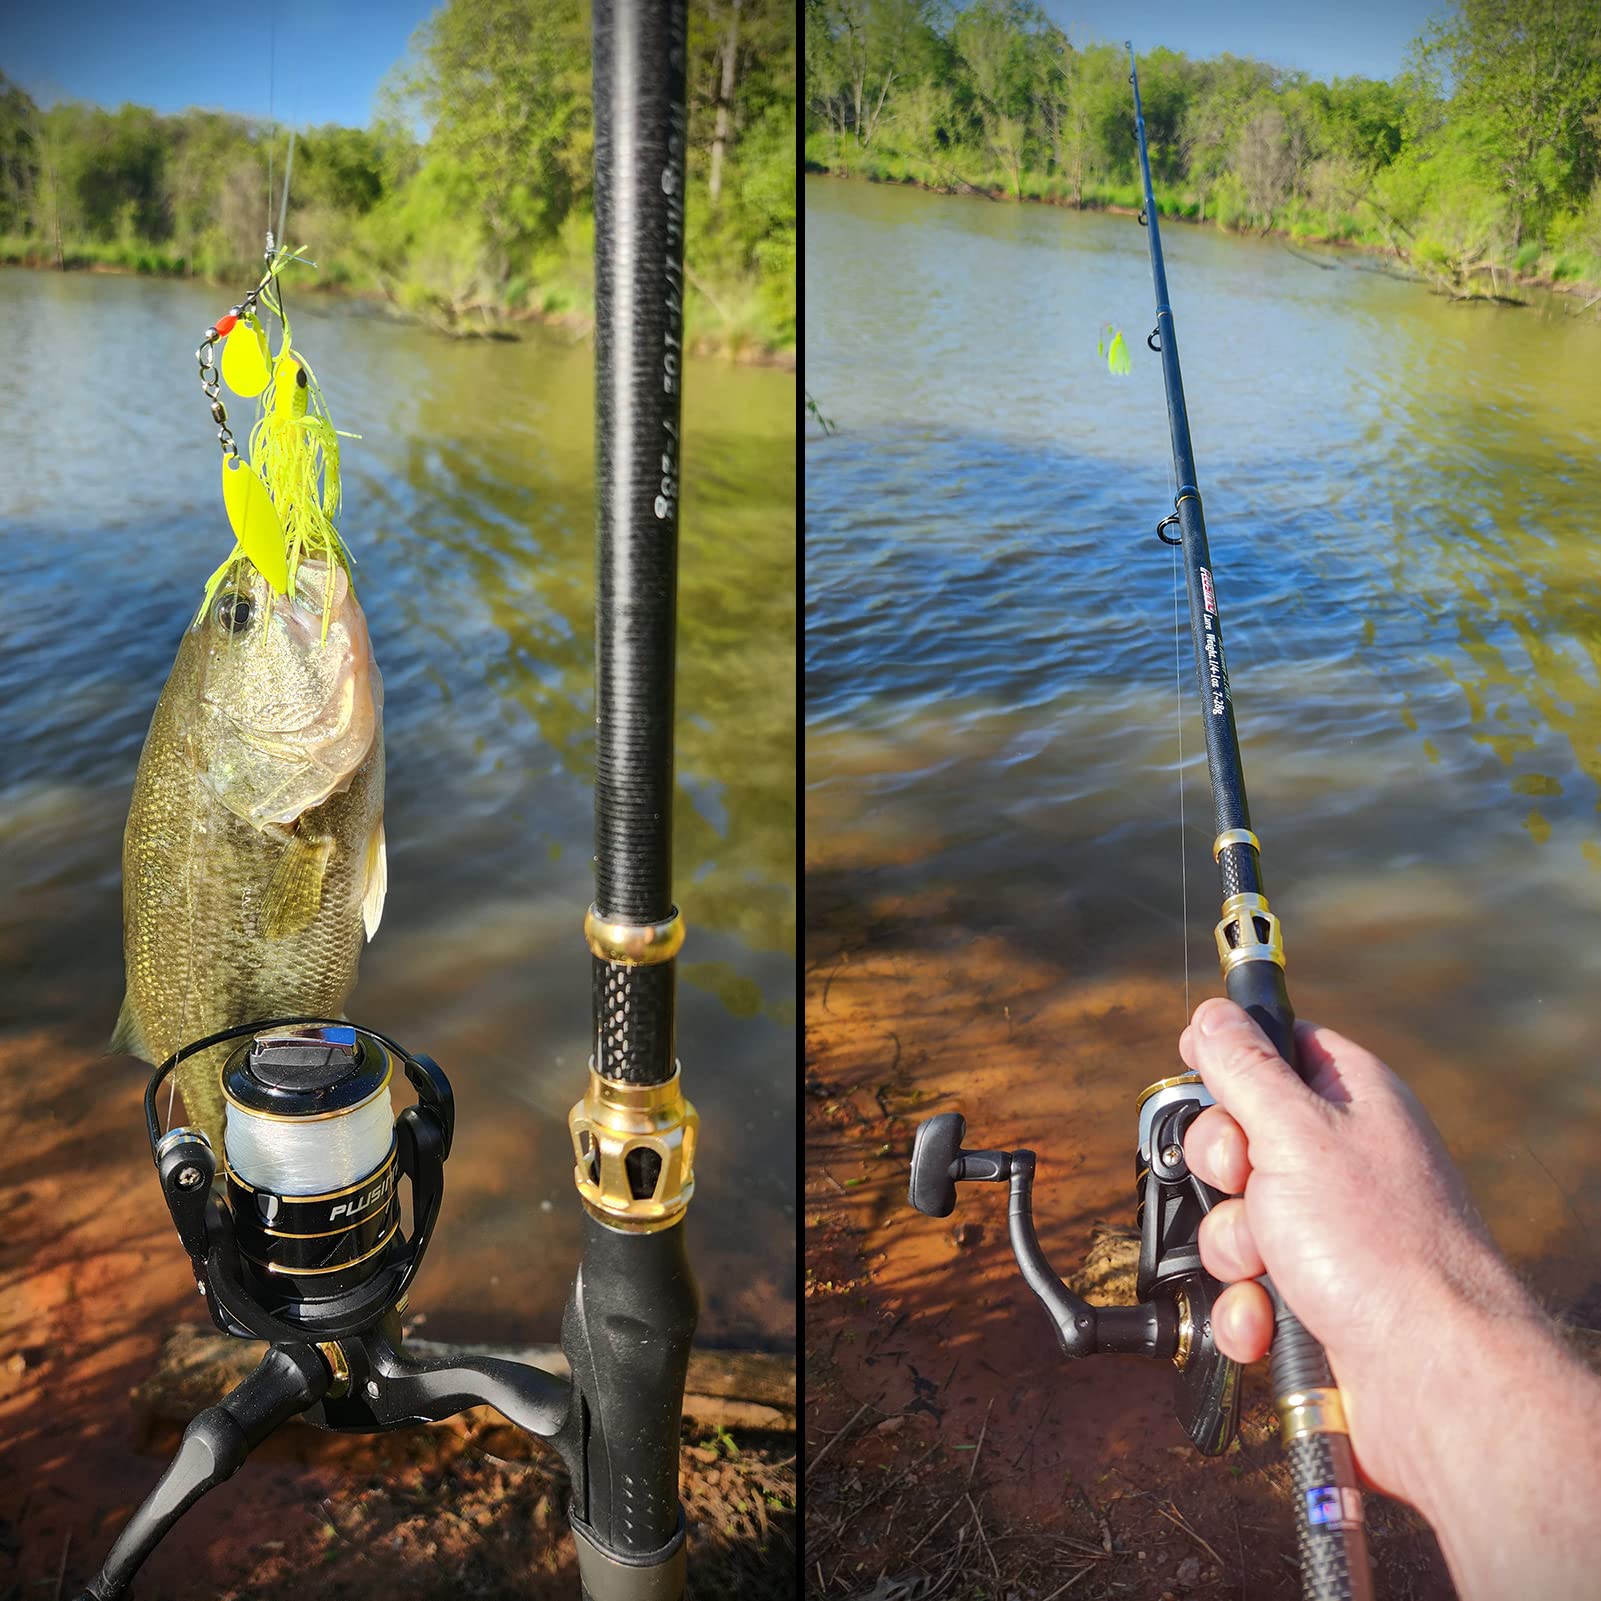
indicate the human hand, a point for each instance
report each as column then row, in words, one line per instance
column 1348, row 1199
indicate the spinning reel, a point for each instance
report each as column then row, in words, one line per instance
column 1176, row 1294
column 304, row 1241
column 301, row 1246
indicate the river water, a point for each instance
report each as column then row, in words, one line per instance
column 469, row 510
column 1404, row 502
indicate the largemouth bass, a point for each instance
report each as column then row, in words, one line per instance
column 253, row 866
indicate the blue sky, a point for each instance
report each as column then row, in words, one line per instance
column 1367, row 38
column 330, row 54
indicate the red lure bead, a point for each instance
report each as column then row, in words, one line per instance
column 225, row 325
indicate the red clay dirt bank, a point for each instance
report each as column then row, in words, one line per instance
column 950, row 1450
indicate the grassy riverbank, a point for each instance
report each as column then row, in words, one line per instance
column 738, row 333
column 1562, row 275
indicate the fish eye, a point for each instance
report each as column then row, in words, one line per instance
column 233, row 612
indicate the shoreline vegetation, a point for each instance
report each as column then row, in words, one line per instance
column 1476, row 170
column 1169, row 211
column 465, row 205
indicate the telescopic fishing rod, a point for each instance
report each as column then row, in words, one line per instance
column 1250, row 944
column 1176, row 1294
column 628, row 1326
column 301, row 1243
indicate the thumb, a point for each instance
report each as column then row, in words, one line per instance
column 1244, row 1073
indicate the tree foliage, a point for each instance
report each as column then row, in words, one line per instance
column 1528, row 77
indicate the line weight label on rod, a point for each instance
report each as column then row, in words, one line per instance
column 1332, row 1506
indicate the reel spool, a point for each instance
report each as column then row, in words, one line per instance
column 310, row 1160
column 304, row 1239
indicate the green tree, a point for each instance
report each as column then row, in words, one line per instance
column 873, row 44
column 19, row 156
column 1528, row 77
column 505, row 88
column 1005, row 45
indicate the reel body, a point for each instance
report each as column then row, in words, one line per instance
column 301, row 1245
column 279, row 1257
column 1176, row 1294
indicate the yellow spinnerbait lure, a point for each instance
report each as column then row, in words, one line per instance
column 282, row 502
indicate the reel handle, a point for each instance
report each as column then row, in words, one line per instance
column 1174, row 1316
column 939, row 1162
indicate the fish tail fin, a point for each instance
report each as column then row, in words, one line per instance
column 127, row 1038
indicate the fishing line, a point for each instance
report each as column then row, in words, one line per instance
column 301, row 1156
column 272, row 75
column 1184, row 863
column 283, row 203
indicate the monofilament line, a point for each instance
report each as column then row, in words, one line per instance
column 1178, row 694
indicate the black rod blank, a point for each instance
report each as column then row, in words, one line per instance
column 1329, row 1513
column 640, row 140
column 640, row 143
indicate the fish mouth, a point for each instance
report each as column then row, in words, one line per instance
column 295, row 760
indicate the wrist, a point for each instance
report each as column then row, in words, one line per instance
column 1505, row 1451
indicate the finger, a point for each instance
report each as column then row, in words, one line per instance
column 1228, row 1248
column 1216, row 1150
column 1243, row 1071
column 1242, row 1322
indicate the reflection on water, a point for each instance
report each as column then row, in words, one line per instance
column 1402, row 496
column 470, row 515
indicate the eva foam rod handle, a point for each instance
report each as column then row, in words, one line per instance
column 1330, row 1526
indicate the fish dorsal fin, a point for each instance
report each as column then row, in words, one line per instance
column 294, row 892
column 375, row 884
column 127, row 1038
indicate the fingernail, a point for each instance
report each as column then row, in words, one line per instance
column 1219, row 1019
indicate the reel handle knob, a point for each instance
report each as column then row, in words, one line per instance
column 938, row 1162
